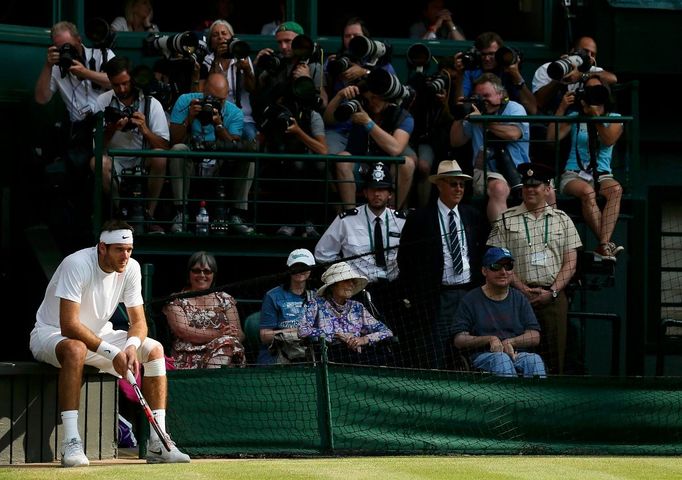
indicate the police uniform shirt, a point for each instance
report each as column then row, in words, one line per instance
column 539, row 249
column 449, row 276
column 352, row 234
column 77, row 94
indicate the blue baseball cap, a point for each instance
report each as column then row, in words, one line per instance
column 495, row 255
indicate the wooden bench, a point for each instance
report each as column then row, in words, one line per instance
column 30, row 420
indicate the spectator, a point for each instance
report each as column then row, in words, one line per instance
column 219, row 127
column 231, row 59
column 353, row 332
column 206, row 328
column 72, row 330
column 277, row 13
column 380, row 126
column 439, row 258
column 506, row 67
column 137, row 17
column 368, row 237
column 436, row 23
column 139, row 123
column 544, row 241
column 549, row 92
column 589, row 161
column 495, row 324
column 507, row 142
column 283, row 309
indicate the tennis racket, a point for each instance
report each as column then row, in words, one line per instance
column 148, row 411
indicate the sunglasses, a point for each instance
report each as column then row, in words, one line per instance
column 205, row 271
column 496, row 267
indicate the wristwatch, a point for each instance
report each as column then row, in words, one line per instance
column 555, row 294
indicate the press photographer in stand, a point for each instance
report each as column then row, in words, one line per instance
column 553, row 79
column 588, row 169
column 73, row 70
column 506, row 142
column 201, row 122
column 381, row 126
column 133, row 121
column 490, row 55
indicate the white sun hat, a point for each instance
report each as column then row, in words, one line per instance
column 339, row 272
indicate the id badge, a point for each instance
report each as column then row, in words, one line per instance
column 538, row 259
column 585, row 175
column 381, row 274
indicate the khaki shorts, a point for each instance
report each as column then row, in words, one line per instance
column 478, row 183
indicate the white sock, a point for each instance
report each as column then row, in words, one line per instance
column 70, row 424
column 160, row 417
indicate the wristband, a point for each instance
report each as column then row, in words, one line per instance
column 134, row 341
column 369, row 126
column 107, row 350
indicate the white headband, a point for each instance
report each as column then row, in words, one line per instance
column 117, row 236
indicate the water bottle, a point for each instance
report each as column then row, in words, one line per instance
column 202, row 219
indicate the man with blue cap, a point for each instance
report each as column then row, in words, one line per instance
column 495, row 324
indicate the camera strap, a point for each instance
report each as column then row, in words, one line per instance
column 593, row 146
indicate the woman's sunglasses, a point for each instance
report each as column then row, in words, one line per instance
column 205, row 271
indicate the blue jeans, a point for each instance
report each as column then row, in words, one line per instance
column 499, row 363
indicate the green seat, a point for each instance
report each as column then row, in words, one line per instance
column 252, row 331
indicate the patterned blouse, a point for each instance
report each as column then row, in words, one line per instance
column 324, row 316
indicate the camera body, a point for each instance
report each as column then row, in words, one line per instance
column 471, row 59
column 579, row 59
column 347, row 108
column 276, row 119
column 67, row 54
column 272, row 63
column 461, row 110
column 339, row 65
column 506, row 56
column 113, row 114
column 237, row 48
column 593, row 95
column 208, row 103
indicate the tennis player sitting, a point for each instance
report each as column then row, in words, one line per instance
column 72, row 330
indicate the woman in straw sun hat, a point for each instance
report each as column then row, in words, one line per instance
column 352, row 330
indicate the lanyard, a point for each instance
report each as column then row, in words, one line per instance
column 369, row 229
column 525, row 223
column 447, row 231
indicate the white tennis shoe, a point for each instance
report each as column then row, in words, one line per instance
column 73, row 455
column 157, row 453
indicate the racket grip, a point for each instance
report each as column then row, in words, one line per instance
column 131, row 378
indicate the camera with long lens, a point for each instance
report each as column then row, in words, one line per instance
column 386, row 85
column 272, row 63
column 506, row 56
column 338, row 65
column 113, row 115
column 593, row 95
column 461, row 110
column 100, row 33
column 144, row 79
column 369, row 52
column 579, row 59
column 347, row 108
column 436, row 83
column 305, row 94
column 208, row 103
column 305, row 50
column 418, row 56
column 471, row 59
column 182, row 44
column 504, row 164
column 236, row 48
column 276, row 119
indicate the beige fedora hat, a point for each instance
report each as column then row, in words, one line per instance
column 342, row 271
column 448, row 169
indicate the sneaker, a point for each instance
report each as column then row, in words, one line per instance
column 309, row 231
column 237, row 225
column 179, row 223
column 73, row 455
column 157, row 453
column 604, row 251
column 151, row 226
column 286, row 230
column 616, row 249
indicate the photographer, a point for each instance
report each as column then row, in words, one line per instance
column 504, row 64
column 507, row 143
column 275, row 69
column 549, row 92
column 343, row 69
column 138, row 122
column 588, row 169
column 201, row 122
column 380, row 126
